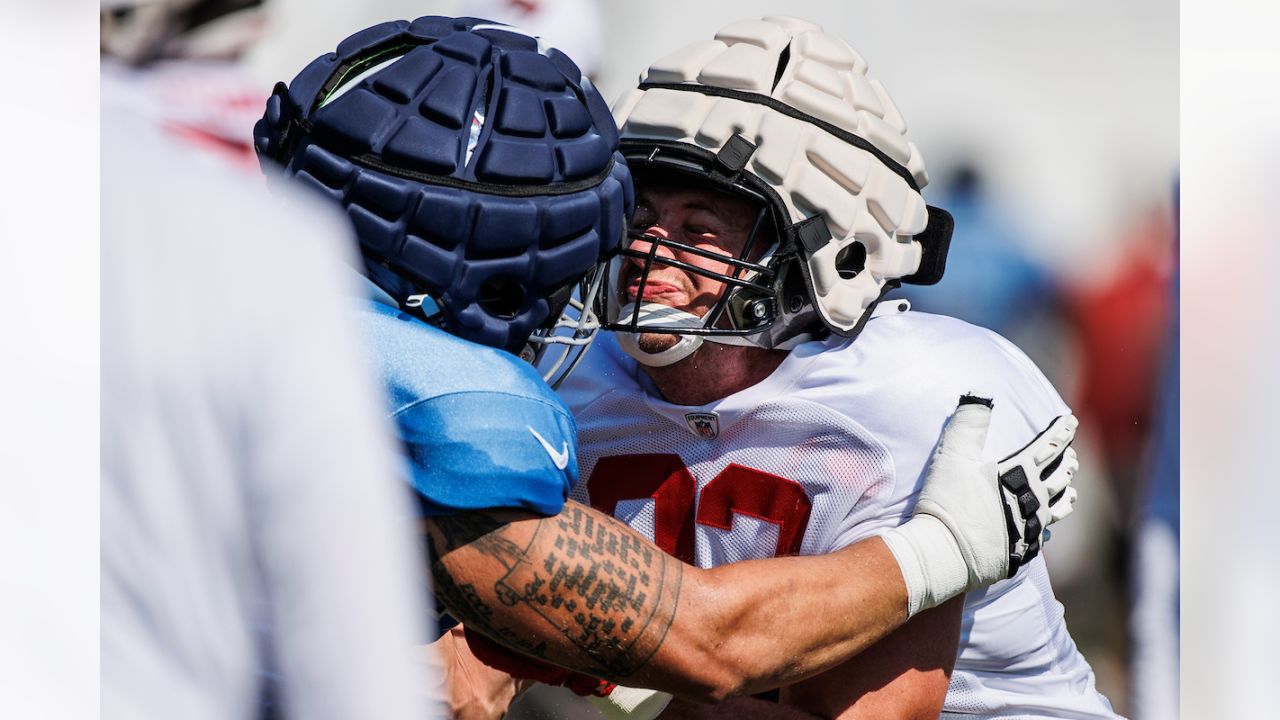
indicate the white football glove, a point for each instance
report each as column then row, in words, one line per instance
column 976, row 523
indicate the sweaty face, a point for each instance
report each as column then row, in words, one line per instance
column 706, row 219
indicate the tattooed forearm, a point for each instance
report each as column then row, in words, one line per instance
column 482, row 532
column 605, row 580
column 579, row 589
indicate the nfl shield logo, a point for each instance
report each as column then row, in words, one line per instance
column 704, row 424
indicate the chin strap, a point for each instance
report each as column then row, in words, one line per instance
column 655, row 314
column 658, row 315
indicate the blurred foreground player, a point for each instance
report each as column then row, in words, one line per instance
column 248, row 532
column 759, row 397
column 480, row 172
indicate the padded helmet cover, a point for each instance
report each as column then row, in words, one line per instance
column 828, row 143
column 477, row 166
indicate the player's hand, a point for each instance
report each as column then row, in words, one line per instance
column 1035, row 484
column 977, row 522
column 997, row 511
column 476, row 691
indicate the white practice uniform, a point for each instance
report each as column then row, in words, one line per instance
column 254, row 518
column 828, row 450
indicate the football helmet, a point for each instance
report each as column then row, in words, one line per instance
column 782, row 113
column 479, row 168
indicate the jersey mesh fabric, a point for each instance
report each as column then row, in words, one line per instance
column 847, row 473
column 964, row 697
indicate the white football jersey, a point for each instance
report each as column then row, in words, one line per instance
column 828, row 450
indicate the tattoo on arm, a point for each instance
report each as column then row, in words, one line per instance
column 581, row 589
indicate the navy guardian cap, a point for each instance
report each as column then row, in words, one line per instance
column 478, row 166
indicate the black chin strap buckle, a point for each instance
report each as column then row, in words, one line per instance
column 731, row 160
column 811, row 234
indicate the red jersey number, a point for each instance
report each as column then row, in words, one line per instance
column 736, row 489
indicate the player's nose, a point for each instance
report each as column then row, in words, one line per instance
column 642, row 243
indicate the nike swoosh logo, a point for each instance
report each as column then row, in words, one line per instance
column 561, row 459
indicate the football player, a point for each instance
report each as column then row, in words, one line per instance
column 761, row 398
column 481, row 173
column 232, row 528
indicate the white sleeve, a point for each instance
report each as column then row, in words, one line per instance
column 331, row 514
column 1028, row 402
column 908, row 424
column 880, row 507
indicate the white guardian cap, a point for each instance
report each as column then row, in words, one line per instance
column 785, row 114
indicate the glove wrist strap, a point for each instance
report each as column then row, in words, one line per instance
column 932, row 567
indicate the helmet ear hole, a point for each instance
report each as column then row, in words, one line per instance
column 501, row 297
column 851, row 260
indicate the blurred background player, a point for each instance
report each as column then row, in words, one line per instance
column 760, row 399
column 1156, row 599
column 256, row 548
column 181, row 65
column 480, row 171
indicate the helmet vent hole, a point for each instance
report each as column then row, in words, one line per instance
column 851, row 260
column 501, row 297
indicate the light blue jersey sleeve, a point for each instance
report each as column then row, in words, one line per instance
column 478, row 426
column 479, row 449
